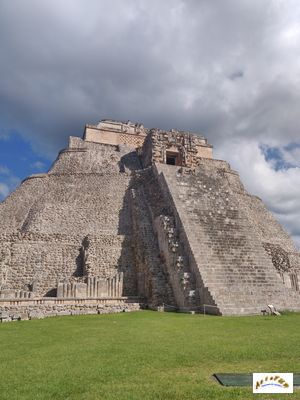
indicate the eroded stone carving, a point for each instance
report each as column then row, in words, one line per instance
column 279, row 256
column 93, row 287
column 4, row 265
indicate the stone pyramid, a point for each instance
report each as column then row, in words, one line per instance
column 129, row 217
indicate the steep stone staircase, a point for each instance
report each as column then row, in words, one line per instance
column 153, row 282
column 231, row 261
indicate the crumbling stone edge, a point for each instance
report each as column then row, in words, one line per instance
column 42, row 308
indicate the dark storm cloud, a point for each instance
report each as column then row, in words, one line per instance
column 163, row 63
column 228, row 69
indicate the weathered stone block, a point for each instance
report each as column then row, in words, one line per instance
column 36, row 315
column 81, row 290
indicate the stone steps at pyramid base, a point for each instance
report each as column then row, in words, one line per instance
column 248, row 307
column 243, row 300
column 239, row 311
column 226, row 282
column 255, row 296
column 224, row 295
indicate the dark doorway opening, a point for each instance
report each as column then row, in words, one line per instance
column 172, row 158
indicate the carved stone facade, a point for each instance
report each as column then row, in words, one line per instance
column 94, row 287
column 115, row 132
column 174, row 148
column 135, row 215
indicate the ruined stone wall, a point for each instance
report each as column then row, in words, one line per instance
column 106, row 255
column 146, row 151
column 37, row 261
column 114, row 133
column 84, row 193
column 204, row 152
column 14, row 210
column 16, row 310
column 81, row 204
column 46, row 220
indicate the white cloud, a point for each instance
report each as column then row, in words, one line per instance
column 4, row 135
column 4, row 170
column 38, row 165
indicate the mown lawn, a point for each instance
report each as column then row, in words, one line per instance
column 143, row 355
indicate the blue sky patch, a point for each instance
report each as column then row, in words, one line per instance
column 18, row 160
column 276, row 157
column 292, row 146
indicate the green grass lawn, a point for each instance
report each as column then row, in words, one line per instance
column 143, row 355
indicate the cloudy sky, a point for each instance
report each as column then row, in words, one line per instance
column 229, row 69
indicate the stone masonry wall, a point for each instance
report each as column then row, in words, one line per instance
column 12, row 310
column 38, row 261
column 46, row 220
column 115, row 132
column 106, row 255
